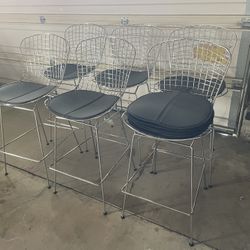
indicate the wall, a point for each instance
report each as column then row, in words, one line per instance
column 20, row 19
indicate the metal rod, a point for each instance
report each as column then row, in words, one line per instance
column 41, row 147
column 128, row 173
column 55, row 154
column 3, row 141
column 78, row 144
column 40, row 120
column 100, row 170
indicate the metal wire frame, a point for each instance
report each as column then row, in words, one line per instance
column 216, row 34
column 110, row 61
column 196, row 65
column 40, row 53
column 143, row 37
column 177, row 63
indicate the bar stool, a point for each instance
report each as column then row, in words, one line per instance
column 109, row 60
column 178, row 118
column 40, row 78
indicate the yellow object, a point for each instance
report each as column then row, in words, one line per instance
column 211, row 53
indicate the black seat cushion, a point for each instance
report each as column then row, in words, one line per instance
column 81, row 104
column 109, row 77
column 188, row 84
column 70, row 71
column 172, row 115
column 23, row 92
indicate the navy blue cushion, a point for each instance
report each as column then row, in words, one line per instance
column 109, row 77
column 172, row 115
column 23, row 92
column 188, row 84
column 81, row 104
column 70, row 71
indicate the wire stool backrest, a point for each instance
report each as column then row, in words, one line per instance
column 45, row 56
column 216, row 34
column 195, row 65
column 75, row 33
column 110, row 59
column 142, row 38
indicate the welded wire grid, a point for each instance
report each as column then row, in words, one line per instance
column 45, row 56
column 75, row 33
column 110, row 59
column 142, row 37
column 216, row 34
column 191, row 65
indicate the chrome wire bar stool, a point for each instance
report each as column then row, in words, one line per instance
column 110, row 61
column 40, row 78
column 178, row 118
column 74, row 34
column 215, row 34
column 142, row 37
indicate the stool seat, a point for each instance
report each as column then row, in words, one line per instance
column 171, row 115
column 70, row 71
column 81, row 104
column 23, row 92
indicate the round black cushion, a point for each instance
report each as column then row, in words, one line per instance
column 188, row 84
column 70, row 71
column 171, row 115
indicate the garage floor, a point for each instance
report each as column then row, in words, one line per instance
column 32, row 214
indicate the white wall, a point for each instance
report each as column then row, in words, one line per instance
column 22, row 18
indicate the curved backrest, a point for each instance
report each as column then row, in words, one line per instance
column 195, row 66
column 142, row 38
column 215, row 34
column 109, row 59
column 45, row 57
column 77, row 32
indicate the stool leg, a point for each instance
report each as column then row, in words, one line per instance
column 191, row 194
column 204, row 164
column 41, row 122
column 41, row 147
column 211, row 151
column 55, row 154
column 100, row 170
column 3, row 142
column 128, row 174
column 74, row 134
column 154, row 158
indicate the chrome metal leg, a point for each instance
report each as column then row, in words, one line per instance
column 55, row 154
column 100, row 170
column 204, row 163
column 211, row 151
column 154, row 158
column 94, row 144
column 41, row 147
column 74, row 134
column 191, row 195
column 127, row 141
column 85, row 138
column 128, row 174
column 139, row 150
column 50, row 128
column 3, row 141
column 41, row 122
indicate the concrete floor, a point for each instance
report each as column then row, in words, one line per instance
column 33, row 218
column 222, row 215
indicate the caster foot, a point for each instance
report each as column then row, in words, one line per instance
column 6, row 174
column 105, row 213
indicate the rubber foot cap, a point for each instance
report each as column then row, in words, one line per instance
column 6, row 174
column 105, row 213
